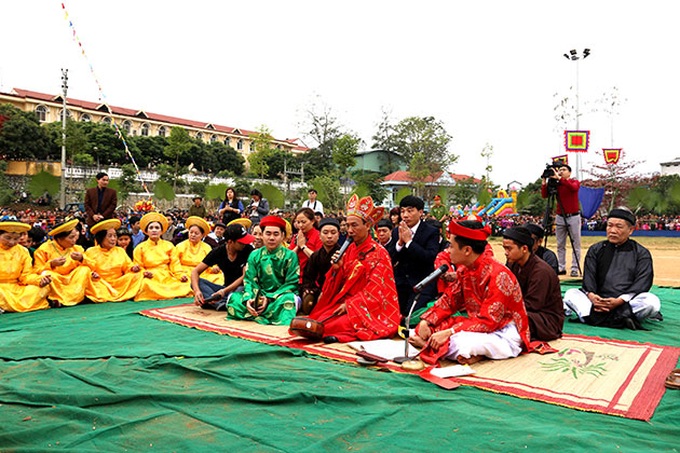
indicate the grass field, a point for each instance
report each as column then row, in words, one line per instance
column 665, row 252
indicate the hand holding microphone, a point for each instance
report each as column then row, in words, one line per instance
column 342, row 250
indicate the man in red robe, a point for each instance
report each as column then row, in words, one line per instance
column 496, row 325
column 359, row 292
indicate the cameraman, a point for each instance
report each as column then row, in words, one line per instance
column 568, row 215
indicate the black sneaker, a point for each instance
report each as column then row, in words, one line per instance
column 562, row 273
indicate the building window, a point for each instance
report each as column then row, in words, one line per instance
column 199, row 135
column 106, row 120
column 213, row 138
column 226, row 141
column 161, row 131
column 144, row 131
column 85, row 118
column 41, row 113
column 127, row 125
column 239, row 144
column 61, row 114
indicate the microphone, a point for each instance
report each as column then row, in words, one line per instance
column 343, row 249
column 430, row 278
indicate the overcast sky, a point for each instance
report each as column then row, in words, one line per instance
column 489, row 70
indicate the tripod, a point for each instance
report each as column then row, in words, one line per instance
column 553, row 196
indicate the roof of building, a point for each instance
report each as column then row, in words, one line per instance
column 404, row 176
column 112, row 109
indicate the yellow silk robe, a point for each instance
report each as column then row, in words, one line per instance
column 191, row 255
column 117, row 282
column 19, row 286
column 68, row 280
column 160, row 258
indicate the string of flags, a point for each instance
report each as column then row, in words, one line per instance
column 102, row 95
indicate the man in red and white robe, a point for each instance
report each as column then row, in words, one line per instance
column 496, row 325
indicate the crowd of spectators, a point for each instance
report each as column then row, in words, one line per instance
column 48, row 218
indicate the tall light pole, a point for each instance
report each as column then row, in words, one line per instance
column 574, row 55
column 64, row 88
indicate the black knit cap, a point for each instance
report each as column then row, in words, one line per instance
column 535, row 229
column 520, row 235
column 623, row 214
column 329, row 221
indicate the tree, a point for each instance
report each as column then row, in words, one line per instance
column 323, row 128
column 257, row 164
column 262, row 146
column 465, row 191
column 617, row 180
column 657, row 195
column 147, row 151
column 424, row 135
column 344, row 153
column 179, row 143
column 21, row 136
column 126, row 183
column 487, row 153
column 167, row 173
column 368, row 183
column 381, row 138
column 530, row 201
column 419, row 171
column 82, row 160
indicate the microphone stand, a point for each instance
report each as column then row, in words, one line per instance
column 406, row 357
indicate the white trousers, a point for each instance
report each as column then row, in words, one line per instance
column 501, row 344
column 643, row 305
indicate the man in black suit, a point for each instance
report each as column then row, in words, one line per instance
column 413, row 248
column 100, row 201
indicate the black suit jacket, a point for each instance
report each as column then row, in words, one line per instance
column 415, row 262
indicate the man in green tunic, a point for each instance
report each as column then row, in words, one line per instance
column 271, row 280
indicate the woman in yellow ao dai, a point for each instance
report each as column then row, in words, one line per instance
column 192, row 251
column 20, row 289
column 163, row 277
column 63, row 261
column 115, row 278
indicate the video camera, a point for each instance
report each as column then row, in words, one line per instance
column 549, row 170
column 548, row 174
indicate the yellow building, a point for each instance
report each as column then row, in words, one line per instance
column 48, row 108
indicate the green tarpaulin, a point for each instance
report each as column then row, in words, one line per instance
column 104, row 378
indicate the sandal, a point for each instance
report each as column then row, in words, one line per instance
column 673, row 380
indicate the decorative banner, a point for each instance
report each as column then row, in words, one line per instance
column 76, row 39
column 612, row 155
column 576, row 141
column 563, row 159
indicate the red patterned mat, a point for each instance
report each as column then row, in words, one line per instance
column 592, row 374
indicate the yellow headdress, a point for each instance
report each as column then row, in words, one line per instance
column 14, row 227
column 105, row 225
column 154, row 217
